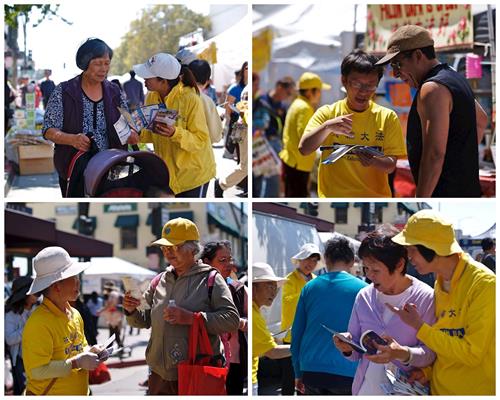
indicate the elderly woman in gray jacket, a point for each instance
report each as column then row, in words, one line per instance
column 173, row 298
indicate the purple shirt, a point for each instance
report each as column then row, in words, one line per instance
column 367, row 314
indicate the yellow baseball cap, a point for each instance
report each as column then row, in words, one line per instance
column 308, row 80
column 177, row 231
column 428, row 228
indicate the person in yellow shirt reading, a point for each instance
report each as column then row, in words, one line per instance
column 297, row 167
column 184, row 146
column 264, row 290
column 306, row 260
column 463, row 336
column 356, row 120
column 55, row 352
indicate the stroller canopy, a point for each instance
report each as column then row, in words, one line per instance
column 144, row 170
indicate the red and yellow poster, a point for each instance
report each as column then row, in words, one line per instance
column 450, row 24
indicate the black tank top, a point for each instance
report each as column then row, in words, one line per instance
column 460, row 173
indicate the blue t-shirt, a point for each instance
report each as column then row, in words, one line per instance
column 327, row 300
column 235, row 90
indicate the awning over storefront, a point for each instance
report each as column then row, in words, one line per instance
column 412, row 208
column 27, row 235
column 127, row 221
column 173, row 214
column 227, row 217
column 339, row 205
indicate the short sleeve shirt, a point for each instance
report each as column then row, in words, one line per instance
column 378, row 127
column 297, row 117
column 262, row 340
column 49, row 335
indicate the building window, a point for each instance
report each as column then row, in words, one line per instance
column 341, row 215
column 128, row 237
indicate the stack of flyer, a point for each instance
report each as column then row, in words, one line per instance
column 143, row 118
column 340, row 151
column 398, row 384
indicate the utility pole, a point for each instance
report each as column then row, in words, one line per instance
column 354, row 26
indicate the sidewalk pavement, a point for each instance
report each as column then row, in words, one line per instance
column 46, row 186
column 136, row 343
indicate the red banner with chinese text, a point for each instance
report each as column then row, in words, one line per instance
column 450, row 24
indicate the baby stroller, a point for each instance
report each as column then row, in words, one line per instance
column 119, row 173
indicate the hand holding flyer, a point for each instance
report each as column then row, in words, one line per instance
column 136, row 290
column 366, row 343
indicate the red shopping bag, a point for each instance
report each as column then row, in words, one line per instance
column 99, row 375
column 201, row 373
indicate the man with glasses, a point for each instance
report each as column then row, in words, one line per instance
column 445, row 123
column 356, row 120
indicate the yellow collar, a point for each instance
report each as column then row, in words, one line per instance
column 56, row 311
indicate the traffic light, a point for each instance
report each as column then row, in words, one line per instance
column 156, row 222
column 310, row 208
column 313, row 209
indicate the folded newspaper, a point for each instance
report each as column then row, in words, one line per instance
column 340, row 151
column 143, row 118
column 398, row 383
column 136, row 290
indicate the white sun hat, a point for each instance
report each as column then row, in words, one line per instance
column 53, row 264
column 262, row 272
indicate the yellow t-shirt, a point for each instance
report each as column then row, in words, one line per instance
column 377, row 126
column 463, row 336
column 289, row 299
column 262, row 341
column 188, row 153
column 297, row 117
column 50, row 336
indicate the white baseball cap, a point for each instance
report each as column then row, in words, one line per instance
column 161, row 65
column 53, row 264
column 306, row 251
column 262, row 272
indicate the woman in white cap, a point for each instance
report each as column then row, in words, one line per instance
column 306, row 261
column 55, row 352
column 186, row 287
column 264, row 290
column 185, row 146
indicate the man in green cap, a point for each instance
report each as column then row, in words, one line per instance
column 445, row 123
column 463, row 336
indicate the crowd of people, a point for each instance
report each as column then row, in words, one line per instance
column 445, row 126
column 441, row 338
column 53, row 346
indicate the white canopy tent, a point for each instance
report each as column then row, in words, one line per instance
column 306, row 38
column 104, row 269
column 232, row 52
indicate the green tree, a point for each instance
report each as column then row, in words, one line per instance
column 20, row 14
column 157, row 30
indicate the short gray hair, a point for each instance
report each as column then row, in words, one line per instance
column 194, row 246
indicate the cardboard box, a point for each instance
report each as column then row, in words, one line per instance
column 36, row 159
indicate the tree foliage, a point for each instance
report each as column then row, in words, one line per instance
column 157, row 30
column 12, row 12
